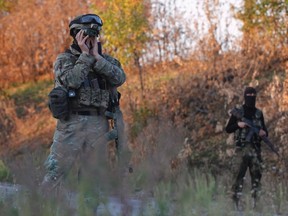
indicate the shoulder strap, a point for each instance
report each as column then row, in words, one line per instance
column 258, row 113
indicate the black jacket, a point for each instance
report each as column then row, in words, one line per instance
column 249, row 113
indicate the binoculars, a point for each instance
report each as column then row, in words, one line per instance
column 91, row 32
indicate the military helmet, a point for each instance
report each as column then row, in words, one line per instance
column 90, row 23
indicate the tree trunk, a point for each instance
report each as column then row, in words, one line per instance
column 140, row 71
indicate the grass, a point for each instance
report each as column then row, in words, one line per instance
column 29, row 95
column 190, row 194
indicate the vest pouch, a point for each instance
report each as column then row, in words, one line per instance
column 59, row 103
column 100, row 98
column 85, row 96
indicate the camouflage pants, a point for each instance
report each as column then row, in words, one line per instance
column 79, row 137
column 246, row 158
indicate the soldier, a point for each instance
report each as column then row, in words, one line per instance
column 90, row 79
column 247, row 152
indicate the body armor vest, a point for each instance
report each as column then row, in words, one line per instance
column 92, row 94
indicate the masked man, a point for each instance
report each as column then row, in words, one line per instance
column 247, row 152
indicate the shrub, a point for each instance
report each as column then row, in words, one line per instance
column 5, row 175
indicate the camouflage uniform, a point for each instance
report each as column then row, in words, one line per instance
column 247, row 154
column 93, row 82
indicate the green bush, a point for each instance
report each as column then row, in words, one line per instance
column 5, row 175
column 30, row 95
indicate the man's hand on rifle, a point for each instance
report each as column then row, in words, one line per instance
column 262, row 133
column 242, row 124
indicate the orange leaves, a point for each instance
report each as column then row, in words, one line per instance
column 32, row 35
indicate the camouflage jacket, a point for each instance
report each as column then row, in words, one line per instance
column 241, row 133
column 93, row 82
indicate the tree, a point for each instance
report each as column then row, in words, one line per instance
column 126, row 24
column 265, row 15
column 32, row 34
column 265, row 18
column 6, row 5
column 265, row 31
column 170, row 31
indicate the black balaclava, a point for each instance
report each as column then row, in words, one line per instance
column 250, row 101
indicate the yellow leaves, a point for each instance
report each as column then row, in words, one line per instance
column 125, row 25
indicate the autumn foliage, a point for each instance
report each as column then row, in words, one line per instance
column 174, row 93
column 32, row 34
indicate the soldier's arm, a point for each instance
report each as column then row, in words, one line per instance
column 263, row 123
column 111, row 69
column 72, row 71
column 232, row 124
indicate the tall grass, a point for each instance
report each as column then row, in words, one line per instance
column 190, row 194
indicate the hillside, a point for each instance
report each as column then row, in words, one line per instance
column 191, row 110
column 175, row 127
column 181, row 110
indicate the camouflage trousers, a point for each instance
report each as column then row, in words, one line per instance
column 81, row 137
column 246, row 158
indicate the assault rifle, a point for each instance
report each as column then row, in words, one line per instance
column 253, row 130
column 115, row 122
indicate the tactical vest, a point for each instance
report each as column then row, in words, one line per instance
column 241, row 134
column 92, row 94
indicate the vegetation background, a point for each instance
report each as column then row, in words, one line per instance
column 182, row 81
